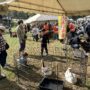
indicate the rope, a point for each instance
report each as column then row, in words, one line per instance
column 62, row 7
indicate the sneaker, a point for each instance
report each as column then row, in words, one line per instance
column 6, row 66
column 86, row 54
column 2, row 76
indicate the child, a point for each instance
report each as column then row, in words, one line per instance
column 23, row 59
column 44, row 42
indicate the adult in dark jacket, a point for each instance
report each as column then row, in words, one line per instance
column 3, row 54
column 44, row 42
column 74, row 40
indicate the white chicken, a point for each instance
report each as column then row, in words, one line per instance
column 70, row 77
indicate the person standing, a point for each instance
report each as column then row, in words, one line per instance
column 72, row 36
column 10, row 32
column 3, row 53
column 46, row 28
column 55, row 31
column 44, row 42
column 22, row 37
column 35, row 32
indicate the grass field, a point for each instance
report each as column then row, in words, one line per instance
column 56, row 56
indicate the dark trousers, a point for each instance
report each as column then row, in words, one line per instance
column 35, row 37
column 48, row 40
column 22, row 45
column 3, row 56
column 44, row 46
column 48, row 36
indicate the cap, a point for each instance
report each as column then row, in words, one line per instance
column 2, row 28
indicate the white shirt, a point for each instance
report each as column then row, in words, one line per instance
column 35, row 31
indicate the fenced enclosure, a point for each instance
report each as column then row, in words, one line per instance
column 58, row 60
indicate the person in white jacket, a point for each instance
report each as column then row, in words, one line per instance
column 35, row 32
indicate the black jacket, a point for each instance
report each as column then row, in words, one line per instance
column 44, row 39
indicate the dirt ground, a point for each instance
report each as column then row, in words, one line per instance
column 29, row 77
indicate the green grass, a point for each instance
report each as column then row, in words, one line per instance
column 13, row 47
column 14, row 29
column 35, row 63
column 13, row 43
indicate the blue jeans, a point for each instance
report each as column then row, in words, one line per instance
column 55, row 36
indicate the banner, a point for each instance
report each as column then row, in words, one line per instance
column 62, row 26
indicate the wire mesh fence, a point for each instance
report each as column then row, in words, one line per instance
column 58, row 60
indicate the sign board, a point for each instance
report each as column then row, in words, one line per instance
column 62, row 27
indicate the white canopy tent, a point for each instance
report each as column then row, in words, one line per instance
column 55, row 7
column 40, row 17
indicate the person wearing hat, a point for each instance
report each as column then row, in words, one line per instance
column 3, row 54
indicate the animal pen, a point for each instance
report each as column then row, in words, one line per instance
column 59, row 60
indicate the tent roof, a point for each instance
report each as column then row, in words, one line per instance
column 40, row 17
column 56, row 7
column 36, row 6
column 4, row 6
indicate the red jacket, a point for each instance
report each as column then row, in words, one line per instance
column 55, row 29
column 72, row 27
